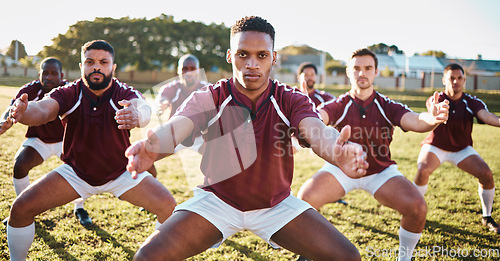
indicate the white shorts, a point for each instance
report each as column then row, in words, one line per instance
column 229, row 220
column 369, row 183
column 443, row 155
column 46, row 150
column 116, row 187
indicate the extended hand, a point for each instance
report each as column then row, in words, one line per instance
column 349, row 156
column 18, row 108
column 128, row 117
column 140, row 154
column 440, row 110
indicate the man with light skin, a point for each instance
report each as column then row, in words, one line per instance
column 453, row 142
column 306, row 75
column 372, row 118
column 247, row 116
column 97, row 112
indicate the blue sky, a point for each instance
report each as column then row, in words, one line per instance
column 460, row 28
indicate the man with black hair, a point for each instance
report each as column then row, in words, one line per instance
column 452, row 142
column 246, row 123
column 43, row 141
column 97, row 112
column 171, row 95
column 372, row 118
column 306, row 75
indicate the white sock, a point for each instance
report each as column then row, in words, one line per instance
column 21, row 184
column 407, row 243
column 486, row 196
column 422, row 188
column 78, row 203
column 19, row 240
column 157, row 225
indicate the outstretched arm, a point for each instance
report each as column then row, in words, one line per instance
column 426, row 121
column 160, row 143
column 488, row 117
column 5, row 121
column 135, row 113
column 33, row 113
column 333, row 147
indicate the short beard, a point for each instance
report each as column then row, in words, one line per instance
column 98, row 86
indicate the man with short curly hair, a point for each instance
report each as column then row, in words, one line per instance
column 246, row 123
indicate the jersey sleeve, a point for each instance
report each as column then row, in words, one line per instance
column 395, row 110
column 332, row 108
column 199, row 107
column 30, row 89
column 65, row 96
column 476, row 104
column 301, row 107
column 166, row 93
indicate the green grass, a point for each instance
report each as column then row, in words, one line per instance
column 453, row 220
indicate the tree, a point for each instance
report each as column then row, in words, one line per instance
column 145, row 44
column 330, row 63
column 21, row 51
column 27, row 62
column 439, row 54
column 382, row 48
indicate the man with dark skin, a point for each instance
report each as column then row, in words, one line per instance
column 248, row 186
column 42, row 141
column 98, row 112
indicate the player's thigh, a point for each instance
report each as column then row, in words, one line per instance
column 476, row 166
column 28, row 158
column 320, row 189
column 312, row 235
column 47, row 192
column 183, row 235
column 151, row 195
column 427, row 163
column 400, row 194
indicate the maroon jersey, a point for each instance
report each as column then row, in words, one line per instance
column 50, row 132
column 455, row 135
column 372, row 124
column 248, row 160
column 175, row 92
column 319, row 97
column 93, row 145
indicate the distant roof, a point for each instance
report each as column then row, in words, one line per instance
column 418, row 62
column 474, row 65
column 298, row 59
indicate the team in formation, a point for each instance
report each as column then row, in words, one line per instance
column 243, row 127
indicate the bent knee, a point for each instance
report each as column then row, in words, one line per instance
column 21, row 208
column 351, row 254
column 418, row 208
column 20, row 170
column 424, row 170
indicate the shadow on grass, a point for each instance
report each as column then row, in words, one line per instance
column 58, row 247
column 249, row 253
column 373, row 229
column 45, row 226
column 453, row 231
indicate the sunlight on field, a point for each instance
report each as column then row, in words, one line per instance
column 453, row 220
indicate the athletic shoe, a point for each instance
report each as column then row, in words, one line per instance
column 83, row 216
column 341, row 201
column 491, row 224
column 5, row 221
column 301, row 258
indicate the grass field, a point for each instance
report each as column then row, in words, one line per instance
column 453, row 227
